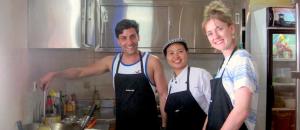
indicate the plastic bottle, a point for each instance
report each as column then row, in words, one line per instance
column 61, row 105
column 49, row 106
column 73, row 103
column 69, row 107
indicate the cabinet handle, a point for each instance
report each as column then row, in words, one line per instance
column 88, row 16
column 237, row 18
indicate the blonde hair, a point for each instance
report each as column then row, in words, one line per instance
column 217, row 10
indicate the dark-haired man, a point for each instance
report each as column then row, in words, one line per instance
column 134, row 74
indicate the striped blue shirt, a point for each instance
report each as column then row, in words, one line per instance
column 240, row 72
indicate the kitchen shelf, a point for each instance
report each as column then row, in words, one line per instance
column 282, row 28
column 283, row 109
column 283, row 84
column 283, row 118
column 283, row 59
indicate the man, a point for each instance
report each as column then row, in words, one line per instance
column 133, row 72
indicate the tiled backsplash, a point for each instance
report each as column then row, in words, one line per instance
column 58, row 59
column 45, row 60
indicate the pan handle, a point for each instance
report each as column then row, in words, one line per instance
column 87, row 119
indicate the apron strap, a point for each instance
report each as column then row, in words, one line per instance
column 142, row 65
column 170, row 89
column 227, row 61
column 187, row 81
column 120, row 59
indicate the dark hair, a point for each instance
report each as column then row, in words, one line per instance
column 179, row 40
column 126, row 24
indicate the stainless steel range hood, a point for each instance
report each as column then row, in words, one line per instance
column 90, row 23
column 159, row 21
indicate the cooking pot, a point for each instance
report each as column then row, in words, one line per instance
column 32, row 126
column 60, row 126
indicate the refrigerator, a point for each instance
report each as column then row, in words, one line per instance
column 281, row 49
column 274, row 42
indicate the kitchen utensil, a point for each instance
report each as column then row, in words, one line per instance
column 19, row 125
column 87, row 119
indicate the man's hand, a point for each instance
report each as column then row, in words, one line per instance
column 46, row 79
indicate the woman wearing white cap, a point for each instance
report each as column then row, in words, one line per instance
column 188, row 89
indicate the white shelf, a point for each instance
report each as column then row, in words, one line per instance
column 282, row 28
column 283, row 109
column 283, row 84
column 283, row 59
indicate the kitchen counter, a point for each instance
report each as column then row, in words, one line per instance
column 102, row 126
column 105, row 124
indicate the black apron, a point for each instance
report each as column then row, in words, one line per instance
column 220, row 105
column 135, row 101
column 183, row 111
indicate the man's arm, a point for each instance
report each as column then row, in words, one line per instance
column 161, row 85
column 99, row 67
column 240, row 111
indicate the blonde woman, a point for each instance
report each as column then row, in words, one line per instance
column 234, row 89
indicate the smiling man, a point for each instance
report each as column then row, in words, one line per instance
column 135, row 76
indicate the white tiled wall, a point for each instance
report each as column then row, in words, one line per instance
column 58, row 59
column 44, row 60
column 13, row 62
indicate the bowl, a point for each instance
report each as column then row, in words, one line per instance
column 60, row 126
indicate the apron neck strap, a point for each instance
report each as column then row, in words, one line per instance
column 187, row 81
column 227, row 61
column 141, row 60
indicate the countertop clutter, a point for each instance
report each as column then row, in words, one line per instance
column 101, row 124
column 67, row 112
column 60, row 126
